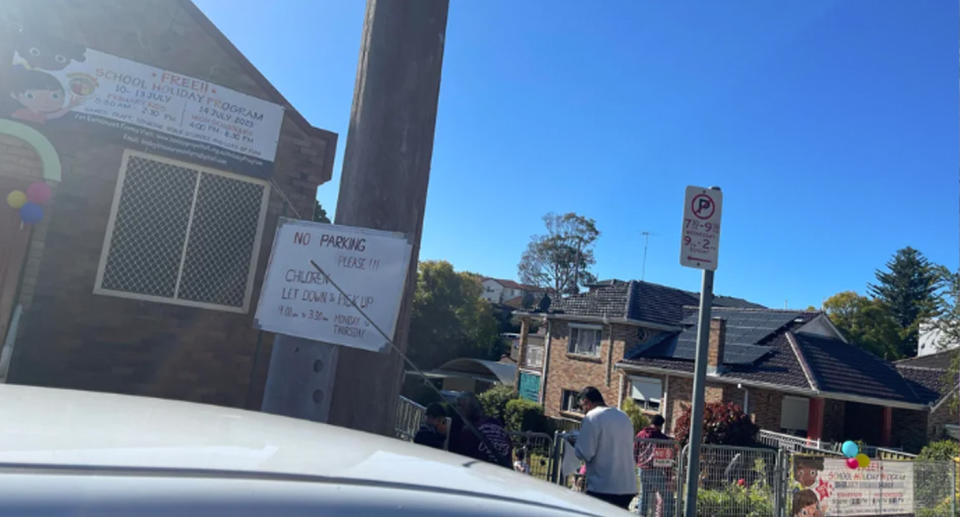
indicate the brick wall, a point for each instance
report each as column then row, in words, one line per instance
column 909, row 429
column 834, row 412
column 571, row 372
column 73, row 338
column 945, row 414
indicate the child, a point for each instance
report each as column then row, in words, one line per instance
column 806, row 469
column 40, row 95
column 806, row 504
column 520, row 465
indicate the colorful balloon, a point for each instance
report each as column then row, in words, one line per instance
column 16, row 199
column 31, row 213
column 850, row 449
column 863, row 461
column 39, row 192
column 852, row 463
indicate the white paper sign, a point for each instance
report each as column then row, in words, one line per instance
column 700, row 242
column 369, row 266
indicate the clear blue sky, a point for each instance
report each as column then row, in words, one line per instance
column 832, row 128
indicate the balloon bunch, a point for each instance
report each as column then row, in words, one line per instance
column 29, row 203
column 855, row 458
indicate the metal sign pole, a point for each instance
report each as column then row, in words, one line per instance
column 699, row 380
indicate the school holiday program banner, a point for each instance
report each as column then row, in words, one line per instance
column 828, row 486
column 146, row 107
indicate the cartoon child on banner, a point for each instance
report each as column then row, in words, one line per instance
column 40, row 95
column 806, row 504
column 806, row 476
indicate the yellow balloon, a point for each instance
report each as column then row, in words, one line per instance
column 16, row 199
column 863, row 460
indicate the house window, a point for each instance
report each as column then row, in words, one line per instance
column 646, row 392
column 182, row 234
column 533, row 359
column 569, row 402
column 584, row 340
column 794, row 414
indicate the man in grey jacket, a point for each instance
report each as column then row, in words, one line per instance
column 605, row 444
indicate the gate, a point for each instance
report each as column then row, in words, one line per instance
column 737, row 481
column 536, row 450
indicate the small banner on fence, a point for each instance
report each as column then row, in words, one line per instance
column 827, row 486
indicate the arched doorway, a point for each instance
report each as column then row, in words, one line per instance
column 26, row 156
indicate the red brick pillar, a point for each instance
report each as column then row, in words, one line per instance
column 815, row 419
column 886, row 431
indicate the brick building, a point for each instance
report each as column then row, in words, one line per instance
column 170, row 158
column 790, row 370
column 587, row 334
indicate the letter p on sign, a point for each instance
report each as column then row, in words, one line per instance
column 700, row 232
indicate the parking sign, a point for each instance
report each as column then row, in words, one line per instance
column 700, row 239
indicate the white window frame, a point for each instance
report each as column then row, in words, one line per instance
column 572, row 344
column 573, row 395
column 643, row 402
column 108, row 237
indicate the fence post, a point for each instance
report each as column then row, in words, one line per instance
column 953, row 487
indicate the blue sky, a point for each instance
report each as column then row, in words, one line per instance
column 832, row 128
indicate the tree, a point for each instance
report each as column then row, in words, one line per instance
column 947, row 318
column 865, row 323
column 908, row 289
column 494, row 400
column 559, row 259
column 449, row 319
column 637, row 418
column 319, row 214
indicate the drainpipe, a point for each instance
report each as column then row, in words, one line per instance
column 546, row 365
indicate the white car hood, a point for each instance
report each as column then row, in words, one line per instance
column 77, row 428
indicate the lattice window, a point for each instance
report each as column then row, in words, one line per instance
column 182, row 234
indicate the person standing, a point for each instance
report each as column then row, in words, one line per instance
column 654, row 480
column 467, row 443
column 605, row 444
column 435, row 428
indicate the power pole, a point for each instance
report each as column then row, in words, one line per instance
column 386, row 166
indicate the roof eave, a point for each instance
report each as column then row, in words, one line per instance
column 725, row 379
column 606, row 320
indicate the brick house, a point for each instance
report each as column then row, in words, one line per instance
column 931, row 378
column 586, row 335
column 791, row 371
column 142, row 275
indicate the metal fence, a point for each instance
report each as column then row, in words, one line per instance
column 739, row 481
column 409, row 417
column 734, row 481
column 658, row 477
column 534, row 454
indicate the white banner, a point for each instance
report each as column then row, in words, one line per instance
column 369, row 266
column 829, row 486
column 110, row 87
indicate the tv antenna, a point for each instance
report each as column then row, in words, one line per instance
column 646, row 240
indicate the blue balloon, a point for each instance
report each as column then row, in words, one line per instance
column 850, row 449
column 31, row 212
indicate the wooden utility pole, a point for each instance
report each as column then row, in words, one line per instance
column 386, row 166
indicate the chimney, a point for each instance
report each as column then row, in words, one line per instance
column 718, row 335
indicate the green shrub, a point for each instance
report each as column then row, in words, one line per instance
column 636, row 416
column 494, row 400
column 752, row 500
column 524, row 415
column 944, row 450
